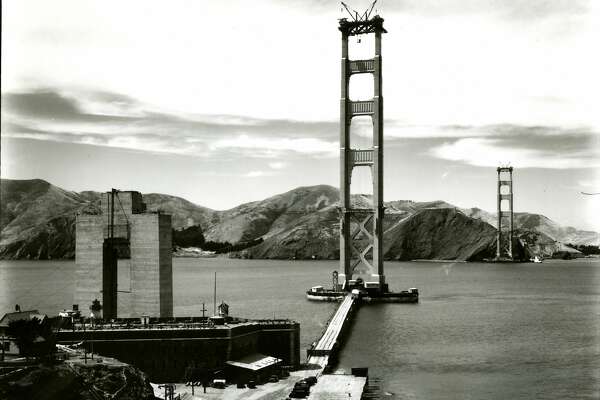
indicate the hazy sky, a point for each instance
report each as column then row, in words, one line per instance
column 224, row 102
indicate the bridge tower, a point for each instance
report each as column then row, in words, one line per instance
column 361, row 230
column 504, row 236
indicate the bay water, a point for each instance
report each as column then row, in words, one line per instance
column 480, row 331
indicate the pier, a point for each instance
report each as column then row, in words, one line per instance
column 178, row 350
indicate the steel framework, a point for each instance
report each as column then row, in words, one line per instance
column 504, row 236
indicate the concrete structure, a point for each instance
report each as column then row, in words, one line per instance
column 175, row 351
column 504, row 236
column 357, row 224
column 122, row 229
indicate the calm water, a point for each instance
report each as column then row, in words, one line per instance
column 481, row 331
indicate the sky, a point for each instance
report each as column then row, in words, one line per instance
column 225, row 102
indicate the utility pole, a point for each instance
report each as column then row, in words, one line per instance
column 215, row 296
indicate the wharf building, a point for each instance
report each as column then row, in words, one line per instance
column 188, row 348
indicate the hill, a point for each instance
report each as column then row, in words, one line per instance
column 37, row 222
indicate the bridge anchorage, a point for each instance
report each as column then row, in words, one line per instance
column 361, row 229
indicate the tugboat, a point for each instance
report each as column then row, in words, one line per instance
column 319, row 293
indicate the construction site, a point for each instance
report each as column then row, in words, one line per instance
column 233, row 353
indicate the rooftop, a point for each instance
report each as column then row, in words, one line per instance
column 18, row 315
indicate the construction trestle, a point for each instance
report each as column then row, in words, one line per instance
column 324, row 351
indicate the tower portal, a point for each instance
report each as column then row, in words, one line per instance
column 361, row 229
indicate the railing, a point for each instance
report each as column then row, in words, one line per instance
column 278, row 321
column 173, row 325
column 362, row 157
column 361, row 107
column 359, row 66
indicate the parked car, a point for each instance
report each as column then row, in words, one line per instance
column 240, row 385
column 311, row 380
column 301, row 390
column 251, row 385
column 273, row 378
column 219, row 383
column 299, row 394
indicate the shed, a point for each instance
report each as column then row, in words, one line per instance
column 257, row 367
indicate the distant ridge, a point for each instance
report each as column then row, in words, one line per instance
column 37, row 222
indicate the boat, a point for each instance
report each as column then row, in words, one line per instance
column 405, row 296
column 365, row 292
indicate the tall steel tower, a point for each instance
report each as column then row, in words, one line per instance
column 504, row 236
column 361, row 230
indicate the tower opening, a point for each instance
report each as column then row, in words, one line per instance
column 361, row 133
column 361, row 87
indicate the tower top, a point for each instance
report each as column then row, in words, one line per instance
column 361, row 23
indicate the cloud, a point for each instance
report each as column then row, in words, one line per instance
column 257, row 174
column 271, row 146
column 103, row 118
column 491, row 152
column 115, row 120
column 395, row 129
column 528, row 10
column 277, row 165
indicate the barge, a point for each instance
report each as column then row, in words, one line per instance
column 319, row 293
column 369, row 292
